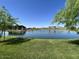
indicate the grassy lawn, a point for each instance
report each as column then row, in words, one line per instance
column 39, row 49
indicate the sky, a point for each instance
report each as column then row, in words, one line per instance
column 33, row 13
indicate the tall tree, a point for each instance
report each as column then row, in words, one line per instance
column 69, row 15
column 5, row 19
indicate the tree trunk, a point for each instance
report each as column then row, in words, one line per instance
column 4, row 35
column 4, row 29
column 1, row 33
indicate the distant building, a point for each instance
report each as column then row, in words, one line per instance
column 52, row 27
column 17, row 27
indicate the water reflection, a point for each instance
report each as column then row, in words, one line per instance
column 51, row 31
column 77, row 32
column 45, row 34
column 51, row 34
column 17, row 33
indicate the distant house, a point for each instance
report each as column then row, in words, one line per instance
column 21, row 27
column 17, row 30
column 17, row 27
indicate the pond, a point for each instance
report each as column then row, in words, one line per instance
column 49, row 34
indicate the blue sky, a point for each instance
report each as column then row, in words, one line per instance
column 33, row 13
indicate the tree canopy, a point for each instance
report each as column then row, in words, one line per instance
column 69, row 15
column 6, row 20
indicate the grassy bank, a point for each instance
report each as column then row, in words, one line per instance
column 13, row 48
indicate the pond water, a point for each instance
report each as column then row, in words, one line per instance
column 49, row 34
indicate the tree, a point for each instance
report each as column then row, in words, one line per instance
column 69, row 15
column 6, row 20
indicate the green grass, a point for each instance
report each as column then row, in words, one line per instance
column 39, row 49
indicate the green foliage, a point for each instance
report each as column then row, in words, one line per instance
column 17, row 48
column 69, row 15
column 6, row 19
